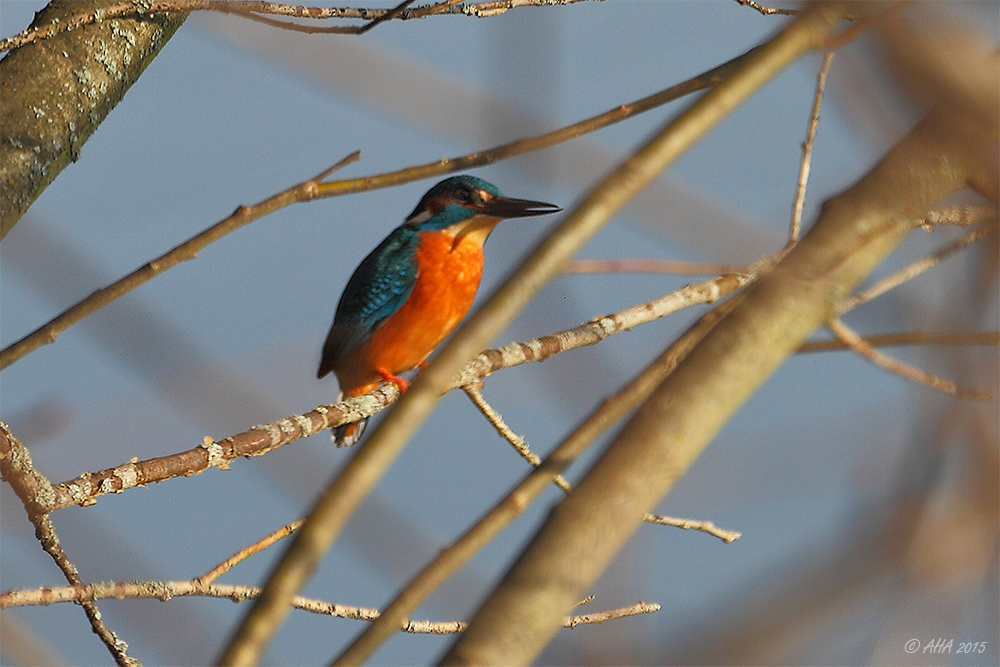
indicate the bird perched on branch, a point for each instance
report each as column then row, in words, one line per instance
column 410, row 292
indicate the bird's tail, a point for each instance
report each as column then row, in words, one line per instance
column 346, row 435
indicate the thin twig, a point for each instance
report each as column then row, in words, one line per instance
column 246, row 552
column 991, row 338
column 858, row 344
column 601, row 617
column 520, row 444
column 767, row 11
column 702, row 525
column 807, row 150
column 649, row 266
column 913, row 270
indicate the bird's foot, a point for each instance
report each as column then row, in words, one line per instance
column 400, row 383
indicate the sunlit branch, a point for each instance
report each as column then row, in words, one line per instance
column 767, row 11
column 48, row 332
column 85, row 489
column 164, row 590
column 455, row 556
column 248, row 551
column 258, row 10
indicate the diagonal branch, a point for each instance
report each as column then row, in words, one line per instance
column 263, row 438
column 851, row 338
column 342, row 496
column 313, row 189
column 56, row 95
column 854, row 233
column 475, row 394
column 449, row 560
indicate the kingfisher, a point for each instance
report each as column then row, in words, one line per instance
column 412, row 290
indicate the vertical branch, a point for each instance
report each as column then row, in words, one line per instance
column 33, row 489
column 807, row 149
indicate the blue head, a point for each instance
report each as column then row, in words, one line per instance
column 456, row 199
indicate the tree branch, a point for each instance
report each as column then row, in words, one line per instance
column 56, row 95
column 855, row 231
column 263, row 438
column 164, row 590
column 35, row 491
column 313, row 189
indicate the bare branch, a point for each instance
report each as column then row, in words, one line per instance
column 522, row 447
column 909, row 338
column 649, row 266
column 767, row 11
column 807, row 148
column 962, row 216
column 509, row 508
column 246, row 552
column 854, row 233
column 188, row 250
column 55, row 97
column 164, row 590
column 312, row 189
column 263, row 438
column 255, row 10
column 856, row 343
column 913, row 270
column 34, row 491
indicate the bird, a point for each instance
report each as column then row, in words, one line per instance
column 412, row 290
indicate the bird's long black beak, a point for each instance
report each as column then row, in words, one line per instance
column 509, row 207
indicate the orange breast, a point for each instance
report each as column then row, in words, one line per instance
column 448, row 278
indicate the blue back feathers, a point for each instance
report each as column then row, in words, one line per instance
column 379, row 287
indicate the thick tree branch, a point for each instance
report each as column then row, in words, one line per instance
column 855, row 231
column 451, row 559
column 56, row 93
column 358, row 477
